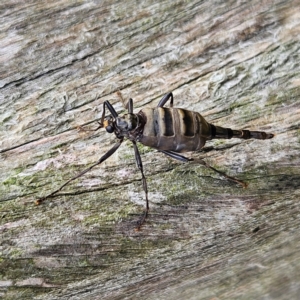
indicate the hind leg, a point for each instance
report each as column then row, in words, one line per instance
column 203, row 163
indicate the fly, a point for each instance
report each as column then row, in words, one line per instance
column 169, row 130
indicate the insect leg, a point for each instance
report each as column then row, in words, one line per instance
column 110, row 108
column 176, row 156
column 128, row 105
column 164, row 100
column 102, row 159
column 202, row 162
column 101, row 123
column 140, row 166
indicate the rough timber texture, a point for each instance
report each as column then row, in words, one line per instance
column 236, row 62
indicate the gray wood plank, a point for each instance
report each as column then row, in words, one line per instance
column 237, row 63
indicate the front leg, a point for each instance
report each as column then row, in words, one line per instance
column 102, row 159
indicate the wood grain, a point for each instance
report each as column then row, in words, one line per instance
column 237, row 63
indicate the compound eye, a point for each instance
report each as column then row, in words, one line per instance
column 109, row 129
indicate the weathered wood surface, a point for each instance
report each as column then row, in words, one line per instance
column 235, row 62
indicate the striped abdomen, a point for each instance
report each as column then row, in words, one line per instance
column 174, row 129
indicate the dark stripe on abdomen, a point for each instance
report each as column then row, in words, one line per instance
column 168, row 120
column 188, row 120
column 156, row 125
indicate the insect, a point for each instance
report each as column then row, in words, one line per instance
column 169, row 130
